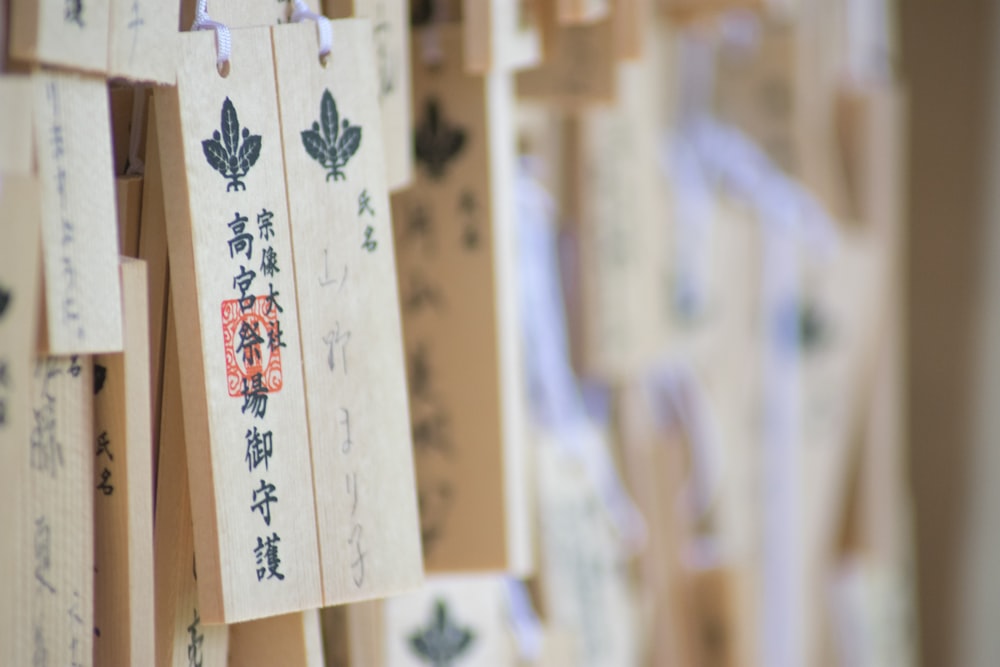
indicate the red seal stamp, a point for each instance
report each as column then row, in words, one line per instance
column 251, row 337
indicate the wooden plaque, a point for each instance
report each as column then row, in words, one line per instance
column 390, row 26
column 142, row 40
column 182, row 637
column 460, row 620
column 16, row 108
column 580, row 67
column 349, row 313
column 153, row 251
column 123, row 493
column 79, row 232
column 233, row 291
column 501, row 35
column 69, row 34
column 20, row 265
column 291, row 640
column 619, row 332
column 584, row 584
column 454, row 235
column 61, row 515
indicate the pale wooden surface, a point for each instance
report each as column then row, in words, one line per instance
column 142, row 40
column 181, row 635
column 123, row 499
column 631, row 21
column 61, row 543
column 354, row 634
column 572, row 12
column 500, row 35
column 200, row 204
column 79, row 237
column 16, row 148
column 291, row 640
column 390, row 23
column 350, row 322
column 48, row 32
column 153, row 250
column 20, row 266
column 620, row 329
column 455, row 258
column 580, row 68
column 583, row 580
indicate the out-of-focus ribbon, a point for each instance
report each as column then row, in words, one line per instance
column 557, row 404
column 526, row 627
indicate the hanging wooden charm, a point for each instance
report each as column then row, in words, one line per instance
column 237, row 328
column 61, row 533
column 142, row 40
column 19, row 289
column 79, row 230
column 68, row 34
column 455, row 259
column 182, row 637
column 501, row 35
column 617, row 331
column 580, row 67
column 391, row 34
column 349, row 312
column 289, row 640
column 123, row 494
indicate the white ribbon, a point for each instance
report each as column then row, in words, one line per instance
column 301, row 12
column 557, row 404
column 524, row 621
column 223, row 38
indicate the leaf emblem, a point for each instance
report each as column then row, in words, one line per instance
column 436, row 143
column 441, row 642
column 330, row 118
column 232, row 151
column 330, row 141
column 315, row 145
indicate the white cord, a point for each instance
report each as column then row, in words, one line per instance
column 223, row 38
column 301, row 12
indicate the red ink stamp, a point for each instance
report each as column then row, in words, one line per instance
column 251, row 337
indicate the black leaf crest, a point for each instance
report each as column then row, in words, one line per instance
column 4, row 300
column 436, row 142
column 100, row 375
column 330, row 141
column 441, row 642
column 230, row 151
